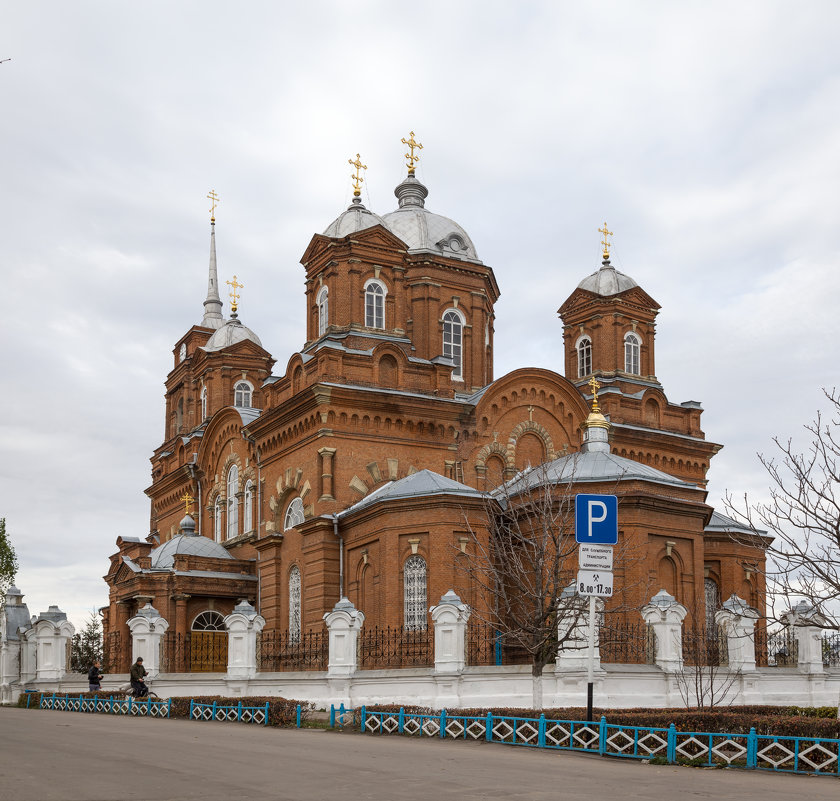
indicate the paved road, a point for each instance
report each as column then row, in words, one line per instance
column 69, row 756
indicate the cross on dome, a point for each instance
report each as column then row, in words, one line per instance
column 412, row 144
column 357, row 179
column 234, row 296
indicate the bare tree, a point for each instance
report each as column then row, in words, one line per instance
column 803, row 516
column 521, row 564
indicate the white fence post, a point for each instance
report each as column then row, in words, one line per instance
column 343, row 624
column 243, row 625
column 665, row 614
column 807, row 623
column 50, row 633
column 450, row 618
column 147, row 629
column 737, row 619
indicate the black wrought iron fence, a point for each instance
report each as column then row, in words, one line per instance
column 776, row 648
column 627, row 643
column 175, row 653
column 395, row 647
column 702, row 647
column 114, row 643
column 831, row 648
column 282, row 650
column 486, row 645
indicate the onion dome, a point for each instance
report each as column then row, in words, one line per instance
column 422, row 230
column 355, row 218
column 229, row 334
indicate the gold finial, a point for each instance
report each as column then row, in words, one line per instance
column 357, row 179
column 412, row 159
column 188, row 501
column 594, row 386
column 234, row 297
column 604, row 241
column 596, row 418
column 214, row 199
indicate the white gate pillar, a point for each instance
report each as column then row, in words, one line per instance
column 807, row 624
column 343, row 624
column 243, row 625
column 737, row 619
column 450, row 618
column 147, row 629
column 665, row 614
column 14, row 616
column 51, row 632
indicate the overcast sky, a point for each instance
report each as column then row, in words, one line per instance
column 706, row 135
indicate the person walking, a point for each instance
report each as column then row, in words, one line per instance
column 95, row 677
column 138, row 672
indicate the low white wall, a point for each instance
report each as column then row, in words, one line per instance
column 616, row 686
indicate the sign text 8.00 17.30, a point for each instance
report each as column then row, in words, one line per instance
column 595, row 582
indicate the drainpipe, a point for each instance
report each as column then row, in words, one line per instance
column 191, row 467
column 340, row 557
column 253, row 442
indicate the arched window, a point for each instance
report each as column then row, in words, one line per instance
column 375, row 304
column 584, row 356
column 294, row 604
column 232, row 502
column 323, row 310
column 248, row 513
column 203, row 404
column 453, row 330
column 242, row 393
column 179, row 416
column 632, row 345
column 217, row 519
column 712, row 603
column 182, row 354
column 294, row 514
column 414, row 592
column 209, row 621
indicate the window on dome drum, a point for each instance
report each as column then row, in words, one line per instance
column 209, row 621
column 248, row 514
column 323, row 311
column 453, row 328
column 374, row 305
column 232, row 505
column 584, row 354
column 294, row 604
column 632, row 346
column 294, row 514
column 217, row 520
column 242, row 395
column 414, row 592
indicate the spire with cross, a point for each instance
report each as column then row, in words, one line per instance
column 214, row 200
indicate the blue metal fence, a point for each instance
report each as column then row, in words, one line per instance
column 112, row 706
column 812, row 755
column 232, row 712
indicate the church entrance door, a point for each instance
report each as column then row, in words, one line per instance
column 208, row 644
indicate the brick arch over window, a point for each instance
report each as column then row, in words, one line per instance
column 492, row 448
column 530, row 427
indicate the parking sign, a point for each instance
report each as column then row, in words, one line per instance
column 596, row 519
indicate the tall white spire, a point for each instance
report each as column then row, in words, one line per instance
column 213, row 305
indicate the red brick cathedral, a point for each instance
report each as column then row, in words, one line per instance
column 361, row 466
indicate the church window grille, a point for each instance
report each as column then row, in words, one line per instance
column 584, row 354
column 712, row 603
column 294, row 604
column 414, row 592
column 375, row 305
column 294, row 514
column 232, row 505
column 209, row 621
column 203, row 403
column 453, row 331
column 248, row 512
column 323, row 311
column 242, row 395
column 632, row 347
column 217, row 520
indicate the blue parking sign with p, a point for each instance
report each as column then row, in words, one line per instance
column 596, row 519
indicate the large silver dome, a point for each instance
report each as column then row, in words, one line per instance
column 355, row 218
column 607, row 281
column 163, row 557
column 229, row 334
column 420, row 229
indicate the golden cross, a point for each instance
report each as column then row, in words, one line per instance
column 214, row 199
column 188, row 500
column 604, row 241
column 412, row 159
column 593, row 383
column 233, row 295
column 357, row 179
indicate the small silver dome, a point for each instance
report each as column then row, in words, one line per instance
column 355, row 218
column 607, row 281
column 420, row 229
column 164, row 556
column 229, row 334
